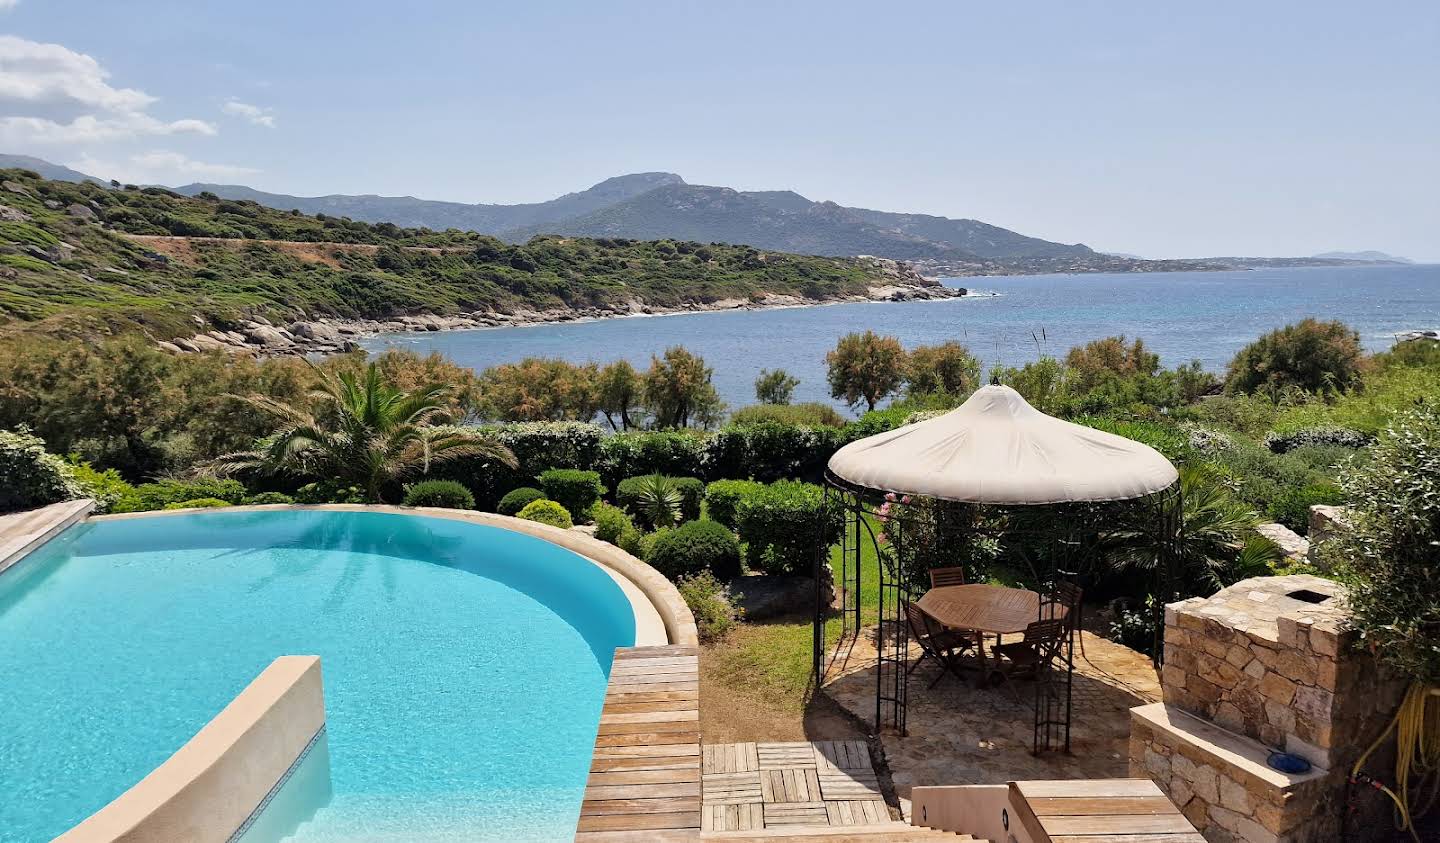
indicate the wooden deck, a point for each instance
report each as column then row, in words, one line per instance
column 645, row 772
column 753, row 786
column 23, row 532
column 1098, row 810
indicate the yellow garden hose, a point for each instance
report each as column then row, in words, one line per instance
column 1417, row 756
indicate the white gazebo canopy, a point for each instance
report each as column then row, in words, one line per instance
column 997, row 449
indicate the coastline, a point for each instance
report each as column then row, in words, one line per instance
column 331, row 335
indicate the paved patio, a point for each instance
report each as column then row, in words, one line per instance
column 960, row 734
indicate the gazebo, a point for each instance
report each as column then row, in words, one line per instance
column 994, row 485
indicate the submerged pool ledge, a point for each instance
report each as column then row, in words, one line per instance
column 661, row 616
column 211, row 786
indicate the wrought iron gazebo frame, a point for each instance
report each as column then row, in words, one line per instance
column 1047, row 543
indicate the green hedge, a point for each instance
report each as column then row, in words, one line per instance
column 547, row 512
column 198, row 503
column 516, row 499
column 441, row 493
column 1292, row 507
column 1285, row 441
column 784, row 523
column 575, row 489
column 771, row 451
column 268, row 498
column 722, row 499
column 693, row 547
column 672, row 453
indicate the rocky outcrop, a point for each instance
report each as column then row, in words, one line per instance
column 80, row 212
column 1290, row 543
column 327, row 336
column 9, row 214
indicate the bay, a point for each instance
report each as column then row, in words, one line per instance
column 1183, row 316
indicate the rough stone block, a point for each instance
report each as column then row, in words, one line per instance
column 1314, row 703
column 1277, row 688
column 1234, row 796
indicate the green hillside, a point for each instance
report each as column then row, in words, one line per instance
column 74, row 256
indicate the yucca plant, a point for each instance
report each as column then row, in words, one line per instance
column 357, row 428
column 658, row 501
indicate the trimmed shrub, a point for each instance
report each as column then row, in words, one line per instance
column 517, row 499
column 1292, row 507
column 783, row 524
column 198, row 503
column 268, row 498
column 106, row 487
column 537, row 446
column 575, row 489
column 151, row 496
column 722, row 498
column 33, row 477
column 547, row 512
column 711, row 603
column 611, row 522
column 442, row 493
column 646, row 542
column 632, row 541
column 1344, row 437
column 692, row 492
column 696, row 546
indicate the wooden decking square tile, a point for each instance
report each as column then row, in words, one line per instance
column 849, row 784
column 857, row 812
column 729, row 758
column 796, row 813
column 793, row 784
column 775, row 756
column 843, row 755
column 731, row 788
column 745, row 817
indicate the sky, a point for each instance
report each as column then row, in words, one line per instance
column 1153, row 128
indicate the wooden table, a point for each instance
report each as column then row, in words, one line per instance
column 987, row 609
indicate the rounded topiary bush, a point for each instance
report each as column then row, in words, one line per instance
column 198, row 503
column 696, row 546
column 517, row 499
column 269, row 498
column 572, row 488
column 547, row 512
column 722, row 499
column 442, row 493
column 33, row 477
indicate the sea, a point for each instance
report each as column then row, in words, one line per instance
column 1010, row 320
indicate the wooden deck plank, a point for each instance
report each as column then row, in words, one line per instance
column 1088, row 787
column 1108, row 825
column 1061, row 806
column 852, row 784
column 645, row 770
column 1189, row 837
column 796, row 813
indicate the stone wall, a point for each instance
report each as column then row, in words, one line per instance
column 1267, row 663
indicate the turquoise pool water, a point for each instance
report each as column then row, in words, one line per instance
column 464, row 665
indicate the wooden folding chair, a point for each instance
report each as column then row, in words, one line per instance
column 1036, row 653
column 944, row 646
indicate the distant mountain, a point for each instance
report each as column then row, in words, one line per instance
column 45, row 169
column 648, row 206
column 1368, row 256
column 428, row 213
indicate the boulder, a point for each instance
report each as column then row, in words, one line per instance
column 15, row 187
column 60, row 252
column 1326, row 522
column 52, row 204
column 318, row 331
column 169, row 346
column 1291, row 544
column 267, row 336
column 9, row 214
column 207, row 342
column 80, row 212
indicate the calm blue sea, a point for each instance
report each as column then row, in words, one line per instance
column 1185, row 316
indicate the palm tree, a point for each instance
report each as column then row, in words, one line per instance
column 362, row 430
column 1217, row 545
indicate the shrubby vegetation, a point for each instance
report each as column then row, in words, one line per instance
column 711, row 603
column 782, row 525
column 517, row 499
column 1310, row 355
column 572, row 488
column 442, row 493
column 696, row 546
column 33, row 476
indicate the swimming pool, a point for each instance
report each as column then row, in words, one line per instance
column 465, row 665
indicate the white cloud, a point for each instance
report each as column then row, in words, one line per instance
column 7, row 5
column 54, row 95
column 159, row 167
column 254, row 113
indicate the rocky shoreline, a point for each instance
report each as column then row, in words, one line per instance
column 260, row 336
